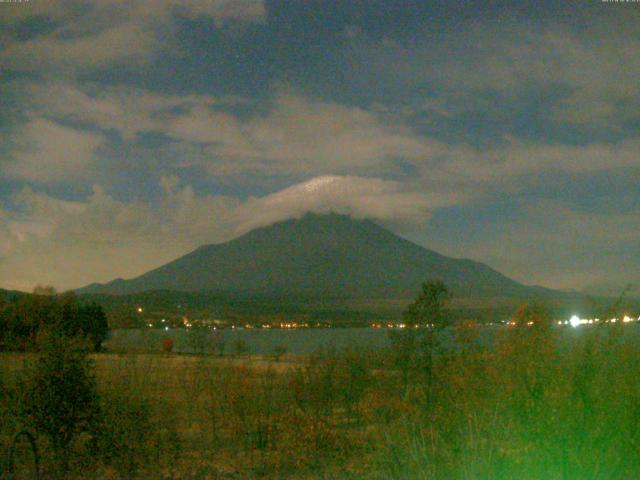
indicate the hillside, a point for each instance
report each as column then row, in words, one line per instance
column 11, row 295
column 320, row 256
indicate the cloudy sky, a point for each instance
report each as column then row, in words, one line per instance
column 132, row 131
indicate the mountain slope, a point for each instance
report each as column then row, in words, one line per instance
column 319, row 255
column 10, row 295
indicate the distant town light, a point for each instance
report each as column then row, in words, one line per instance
column 575, row 321
column 139, row 309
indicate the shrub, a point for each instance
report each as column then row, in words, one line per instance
column 59, row 398
column 279, row 351
column 354, row 379
column 93, row 323
column 217, row 343
column 241, row 347
column 167, row 344
column 198, row 339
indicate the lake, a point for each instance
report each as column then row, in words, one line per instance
column 302, row 341
column 259, row 341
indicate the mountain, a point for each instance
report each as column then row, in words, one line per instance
column 11, row 295
column 321, row 256
column 613, row 290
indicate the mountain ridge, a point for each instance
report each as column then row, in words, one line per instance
column 323, row 255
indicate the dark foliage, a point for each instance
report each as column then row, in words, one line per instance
column 25, row 320
column 414, row 346
column 58, row 397
column 428, row 308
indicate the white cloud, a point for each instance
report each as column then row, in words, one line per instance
column 595, row 68
column 221, row 10
column 300, row 136
column 126, row 110
column 605, row 111
column 125, row 42
column 48, row 152
column 52, row 243
column 6, row 236
column 201, row 125
column 94, row 35
column 296, row 136
column 355, row 196
column 55, row 10
column 70, row 244
column 65, row 136
column 519, row 55
column 508, row 164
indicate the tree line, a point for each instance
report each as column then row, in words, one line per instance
column 26, row 320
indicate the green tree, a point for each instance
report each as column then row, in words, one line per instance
column 75, row 319
column 24, row 320
column 27, row 316
column 415, row 346
column 59, row 398
column 67, row 320
column 93, row 323
column 427, row 310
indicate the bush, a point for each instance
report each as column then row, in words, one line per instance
column 59, row 398
column 241, row 347
column 198, row 339
column 167, row 344
column 93, row 322
column 279, row 351
column 219, row 343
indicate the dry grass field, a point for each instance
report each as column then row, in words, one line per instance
column 534, row 407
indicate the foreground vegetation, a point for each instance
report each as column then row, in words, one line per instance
column 539, row 402
column 26, row 319
column 543, row 403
